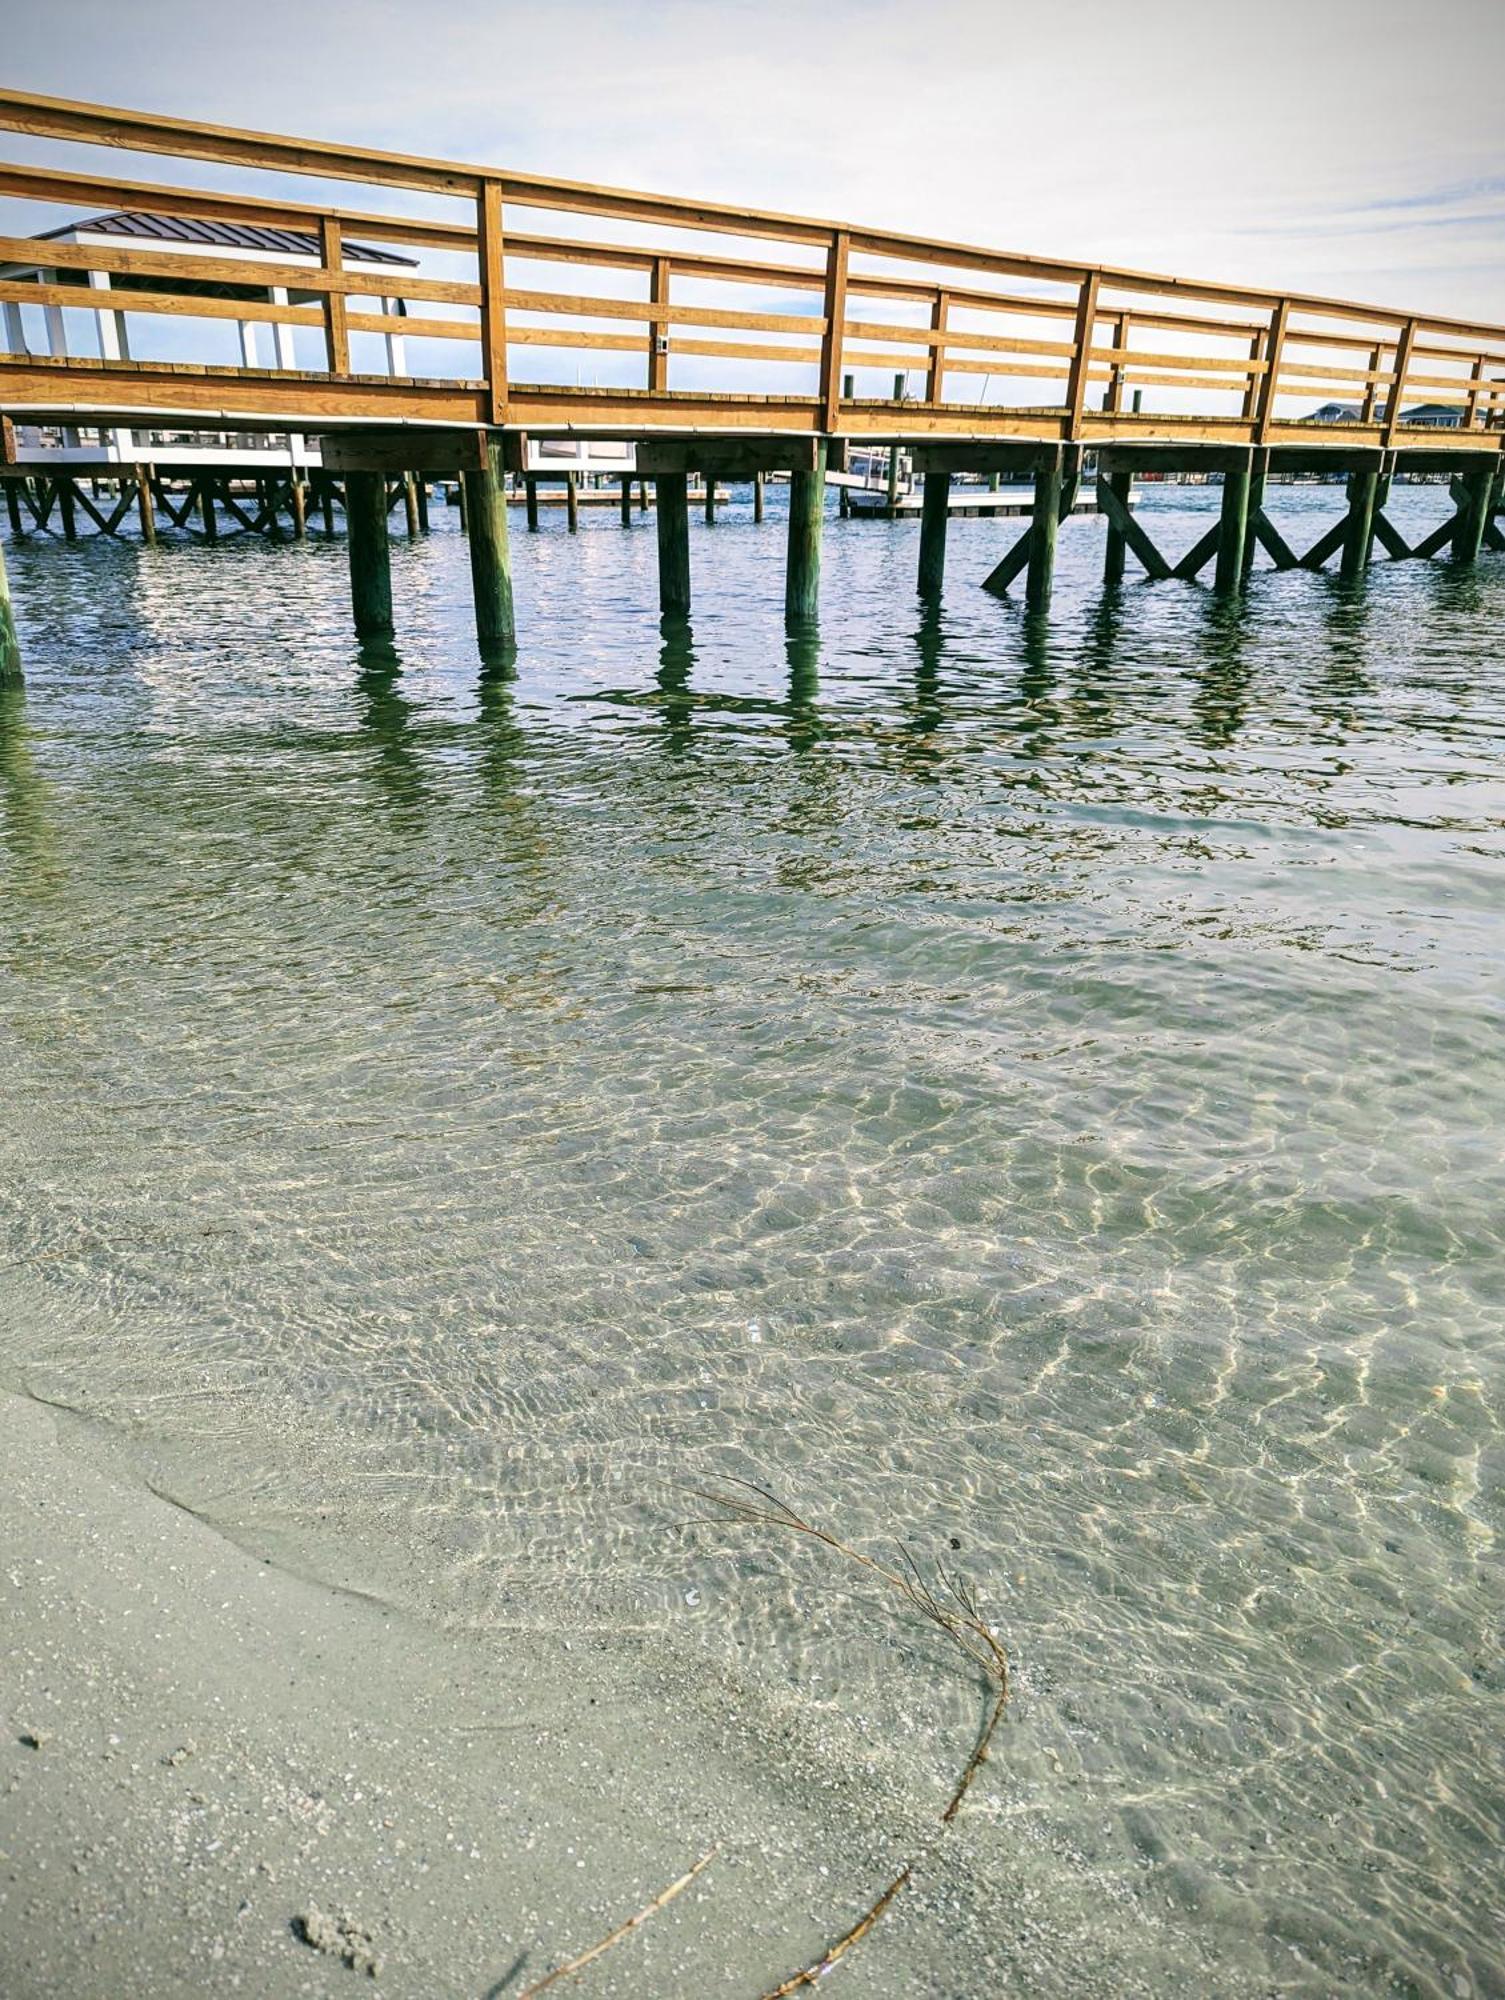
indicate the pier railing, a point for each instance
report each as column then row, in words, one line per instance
column 828, row 329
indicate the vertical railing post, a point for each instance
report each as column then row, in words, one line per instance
column 1081, row 356
column 1113, row 399
column 492, row 266
column 1398, row 380
column 1255, row 376
column 336, row 325
column 1476, row 383
column 1372, row 386
column 658, row 330
column 1264, row 401
column 831, row 340
column 935, row 373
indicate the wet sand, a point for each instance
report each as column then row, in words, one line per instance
column 202, row 1749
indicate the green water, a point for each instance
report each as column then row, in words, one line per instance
column 1032, row 1087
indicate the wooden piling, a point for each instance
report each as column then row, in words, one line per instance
column 206, row 510
column 1474, row 513
column 572, row 500
column 1358, row 539
column 10, row 648
column 146, row 513
column 642, row 496
column 934, row 516
column 326, row 504
column 410, row 505
column 65, row 508
column 757, row 496
column 298, row 501
column 807, row 514
column 423, row 503
column 490, row 555
column 13, row 507
column 1044, row 522
column 1121, row 484
column 1259, row 475
column 673, row 515
column 530, row 495
column 462, row 498
column 370, row 554
column 626, row 502
column 1233, row 531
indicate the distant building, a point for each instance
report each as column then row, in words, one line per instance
column 1437, row 416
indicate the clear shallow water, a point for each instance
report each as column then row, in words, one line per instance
column 1033, row 1085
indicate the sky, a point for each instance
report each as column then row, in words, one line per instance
column 1327, row 144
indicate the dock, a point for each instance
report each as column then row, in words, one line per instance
column 718, row 342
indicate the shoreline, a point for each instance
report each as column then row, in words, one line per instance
column 219, row 1748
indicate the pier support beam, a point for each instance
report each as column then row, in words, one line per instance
column 10, row 649
column 626, row 503
column 1233, row 534
column 490, row 556
column 370, row 554
column 13, row 507
column 572, row 500
column 530, row 495
column 672, row 513
column 1474, row 510
column 1040, row 578
column 807, row 515
column 934, row 515
column 757, row 486
column 1363, row 495
column 1121, row 485
column 146, row 513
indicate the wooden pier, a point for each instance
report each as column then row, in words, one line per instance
column 720, row 363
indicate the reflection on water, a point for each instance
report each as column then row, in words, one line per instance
column 1032, row 1082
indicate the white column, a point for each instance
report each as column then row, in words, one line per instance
column 282, row 342
column 397, row 344
column 57, row 343
column 250, row 352
column 283, row 335
column 114, row 345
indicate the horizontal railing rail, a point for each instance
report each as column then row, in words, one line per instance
column 1049, row 348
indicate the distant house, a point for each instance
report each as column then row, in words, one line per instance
column 108, row 299
column 1437, row 416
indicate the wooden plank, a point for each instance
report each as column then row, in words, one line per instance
column 1273, row 542
column 1390, row 538
column 978, row 458
column 25, row 251
column 336, row 331
column 1198, row 556
column 831, row 338
column 210, row 205
column 1264, row 404
column 185, row 305
column 1327, row 545
column 493, row 298
column 658, row 346
column 725, row 458
column 1081, row 361
column 418, row 449
column 654, row 312
column 1123, row 520
column 1398, row 385
column 935, row 374
column 143, row 132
